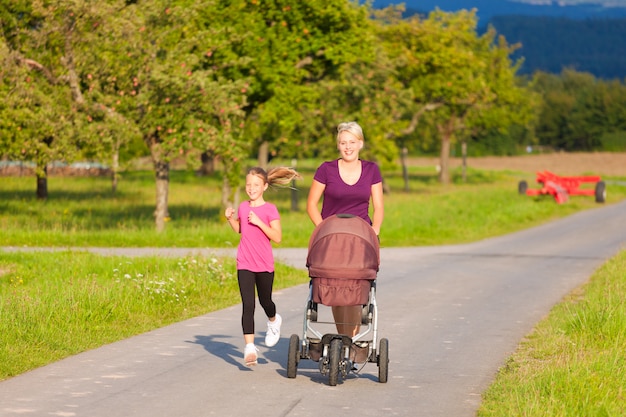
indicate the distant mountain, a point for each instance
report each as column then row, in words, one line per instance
column 487, row 9
column 550, row 44
column 588, row 37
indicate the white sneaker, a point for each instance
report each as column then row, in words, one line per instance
column 273, row 331
column 250, row 354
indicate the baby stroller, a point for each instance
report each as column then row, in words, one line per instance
column 343, row 260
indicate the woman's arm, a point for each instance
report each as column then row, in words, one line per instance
column 379, row 209
column 315, row 193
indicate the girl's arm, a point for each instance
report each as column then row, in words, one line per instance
column 315, row 193
column 230, row 216
column 273, row 231
column 379, row 210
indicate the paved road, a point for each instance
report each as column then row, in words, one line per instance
column 452, row 315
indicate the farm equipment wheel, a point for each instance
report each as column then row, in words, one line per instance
column 600, row 192
column 334, row 356
column 294, row 356
column 522, row 187
column 383, row 360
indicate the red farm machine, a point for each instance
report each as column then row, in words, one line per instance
column 562, row 187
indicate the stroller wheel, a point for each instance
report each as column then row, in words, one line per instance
column 294, row 356
column 367, row 313
column 364, row 314
column 312, row 311
column 383, row 360
column 334, row 356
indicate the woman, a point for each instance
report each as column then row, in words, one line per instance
column 347, row 184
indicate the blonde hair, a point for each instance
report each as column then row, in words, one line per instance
column 280, row 176
column 352, row 127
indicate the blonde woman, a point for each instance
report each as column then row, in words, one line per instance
column 347, row 185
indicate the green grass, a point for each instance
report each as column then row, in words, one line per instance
column 49, row 312
column 84, row 212
column 573, row 364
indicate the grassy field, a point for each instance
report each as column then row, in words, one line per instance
column 49, row 312
column 84, row 212
column 572, row 365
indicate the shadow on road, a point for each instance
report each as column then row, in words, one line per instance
column 229, row 352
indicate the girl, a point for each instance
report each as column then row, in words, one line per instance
column 258, row 222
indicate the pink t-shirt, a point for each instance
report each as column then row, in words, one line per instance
column 255, row 248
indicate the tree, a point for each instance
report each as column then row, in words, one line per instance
column 163, row 81
column 171, row 86
column 578, row 110
column 298, row 52
column 460, row 83
column 37, row 118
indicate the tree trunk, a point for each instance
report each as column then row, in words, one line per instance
column 229, row 198
column 115, row 167
column 263, row 156
column 445, row 132
column 161, row 215
column 42, row 184
column 294, row 188
column 208, row 164
column 464, row 153
column 294, row 196
column 226, row 194
column 162, row 177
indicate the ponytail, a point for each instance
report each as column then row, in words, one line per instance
column 280, row 177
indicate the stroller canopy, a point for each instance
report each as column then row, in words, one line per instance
column 343, row 247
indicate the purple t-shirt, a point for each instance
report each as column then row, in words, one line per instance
column 341, row 198
column 255, row 248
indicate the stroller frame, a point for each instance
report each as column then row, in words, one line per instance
column 338, row 354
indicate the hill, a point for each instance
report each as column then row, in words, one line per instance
column 487, row 9
column 550, row 44
column 586, row 37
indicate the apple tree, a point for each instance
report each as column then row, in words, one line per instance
column 460, row 82
column 37, row 114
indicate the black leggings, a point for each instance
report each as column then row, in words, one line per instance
column 247, row 282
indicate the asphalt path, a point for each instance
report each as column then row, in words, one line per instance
column 452, row 315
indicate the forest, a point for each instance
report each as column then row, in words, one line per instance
column 552, row 44
column 218, row 80
column 552, row 38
